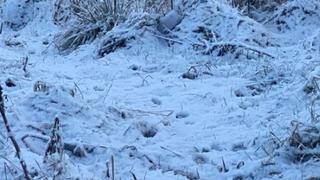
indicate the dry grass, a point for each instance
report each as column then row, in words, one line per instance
column 304, row 142
column 93, row 18
column 250, row 5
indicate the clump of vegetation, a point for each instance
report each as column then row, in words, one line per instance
column 54, row 151
column 94, row 18
column 304, row 142
column 249, row 5
column 122, row 34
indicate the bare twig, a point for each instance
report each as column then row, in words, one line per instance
column 225, row 169
column 108, row 91
column 240, row 45
column 110, row 169
column 44, row 176
column 5, row 171
column 134, row 176
column 76, row 85
column 6, row 166
column 164, row 113
column 25, row 63
column 1, row 27
column 37, row 129
column 170, row 39
column 68, row 146
column 175, row 153
column 220, row 45
column 9, row 161
column 12, row 138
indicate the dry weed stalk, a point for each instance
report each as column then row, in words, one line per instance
column 111, row 169
column 12, row 138
column 54, row 152
column 55, row 144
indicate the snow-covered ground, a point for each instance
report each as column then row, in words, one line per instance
column 231, row 122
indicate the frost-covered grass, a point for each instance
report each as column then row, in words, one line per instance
column 219, row 96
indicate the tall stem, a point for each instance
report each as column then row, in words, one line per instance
column 11, row 137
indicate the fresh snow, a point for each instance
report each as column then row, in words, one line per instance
column 135, row 105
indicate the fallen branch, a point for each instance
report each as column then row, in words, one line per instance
column 25, row 63
column 165, row 113
column 169, row 39
column 175, row 153
column 211, row 47
column 238, row 45
column 12, row 138
column 110, row 169
column 76, row 149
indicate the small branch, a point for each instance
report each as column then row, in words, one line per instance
column 108, row 91
column 165, row 113
column 224, row 167
column 170, row 39
column 76, row 85
column 220, row 45
column 37, row 129
column 177, row 154
column 25, row 63
column 239, row 45
column 5, row 168
column 76, row 149
column 10, row 169
column 134, row 176
column 110, row 169
column 1, row 27
column 13, row 140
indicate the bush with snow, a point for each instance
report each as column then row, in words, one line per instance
column 95, row 18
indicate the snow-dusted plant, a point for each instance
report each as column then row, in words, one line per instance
column 249, row 5
column 95, row 11
column 304, row 141
column 158, row 6
column 96, row 17
column 92, row 17
column 134, row 26
column 54, row 152
column 12, row 137
column 61, row 12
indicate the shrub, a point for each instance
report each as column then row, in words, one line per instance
column 249, row 5
column 96, row 17
column 92, row 17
